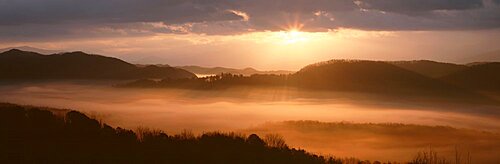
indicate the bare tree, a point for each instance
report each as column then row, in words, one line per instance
column 275, row 140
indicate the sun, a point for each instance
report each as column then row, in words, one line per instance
column 289, row 38
column 293, row 36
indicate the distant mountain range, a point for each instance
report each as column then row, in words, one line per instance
column 422, row 76
column 18, row 64
column 32, row 49
column 405, row 79
column 217, row 70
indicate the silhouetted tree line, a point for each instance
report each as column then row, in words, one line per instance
column 34, row 135
column 220, row 81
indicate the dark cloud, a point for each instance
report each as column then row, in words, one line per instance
column 87, row 18
column 16, row 12
column 322, row 15
column 419, row 6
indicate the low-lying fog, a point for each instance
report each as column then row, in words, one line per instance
column 241, row 109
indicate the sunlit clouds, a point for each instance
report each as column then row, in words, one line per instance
column 61, row 19
column 266, row 34
column 241, row 13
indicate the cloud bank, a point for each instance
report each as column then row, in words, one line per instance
column 42, row 19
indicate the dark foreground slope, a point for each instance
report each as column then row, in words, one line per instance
column 17, row 64
column 36, row 135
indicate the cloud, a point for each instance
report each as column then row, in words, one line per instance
column 419, row 6
column 18, row 12
column 373, row 14
column 32, row 19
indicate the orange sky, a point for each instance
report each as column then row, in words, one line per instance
column 285, row 50
column 265, row 34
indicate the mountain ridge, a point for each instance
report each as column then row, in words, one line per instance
column 32, row 49
column 18, row 64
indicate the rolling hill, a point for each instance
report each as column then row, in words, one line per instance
column 18, row 64
column 480, row 76
column 430, row 68
column 367, row 76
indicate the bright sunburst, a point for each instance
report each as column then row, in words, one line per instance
column 292, row 36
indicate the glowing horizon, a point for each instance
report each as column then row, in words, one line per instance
column 287, row 49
